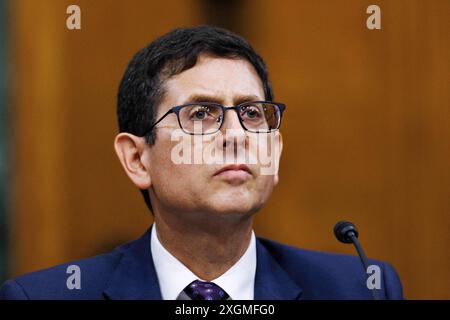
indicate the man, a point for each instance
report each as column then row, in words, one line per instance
column 196, row 117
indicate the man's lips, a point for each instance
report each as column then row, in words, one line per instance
column 234, row 171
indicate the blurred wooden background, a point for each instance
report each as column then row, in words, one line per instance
column 366, row 132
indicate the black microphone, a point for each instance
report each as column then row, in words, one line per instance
column 346, row 232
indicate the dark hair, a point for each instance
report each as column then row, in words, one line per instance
column 142, row 86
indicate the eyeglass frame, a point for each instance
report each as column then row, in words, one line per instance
column 176, row 110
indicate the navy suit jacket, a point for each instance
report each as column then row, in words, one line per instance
column 282, row 272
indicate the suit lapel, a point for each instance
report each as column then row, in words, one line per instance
column 135, row 276
column 271, row 280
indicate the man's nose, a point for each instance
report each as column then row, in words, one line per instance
column 231, row 121
column 234, row 135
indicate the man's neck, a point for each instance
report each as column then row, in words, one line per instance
column 209, row 249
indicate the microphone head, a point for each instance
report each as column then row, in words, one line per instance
column 343, row 230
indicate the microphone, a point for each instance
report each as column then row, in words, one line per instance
column 346, row 232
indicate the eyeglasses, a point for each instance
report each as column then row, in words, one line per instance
column 201, row 118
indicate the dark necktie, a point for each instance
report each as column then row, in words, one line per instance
column 203, row 290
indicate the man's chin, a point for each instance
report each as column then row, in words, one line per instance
column 234, row 208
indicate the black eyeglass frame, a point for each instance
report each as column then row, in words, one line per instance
column 176, row 110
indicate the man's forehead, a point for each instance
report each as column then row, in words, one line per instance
column 218, row 97
column 221, row 80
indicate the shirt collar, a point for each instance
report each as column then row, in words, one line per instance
column 174, row 276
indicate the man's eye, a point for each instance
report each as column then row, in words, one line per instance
column 251, row 112
column 200, row 113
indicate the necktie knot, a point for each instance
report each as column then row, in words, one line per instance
column 205, row 290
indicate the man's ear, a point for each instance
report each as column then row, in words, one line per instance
column 278, row 157
column 133, row 155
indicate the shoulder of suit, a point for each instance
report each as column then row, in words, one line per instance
column 58, row 281
column 324, row 275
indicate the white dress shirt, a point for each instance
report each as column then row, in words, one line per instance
column 174, row 276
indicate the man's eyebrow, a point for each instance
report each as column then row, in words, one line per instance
column 211, row 98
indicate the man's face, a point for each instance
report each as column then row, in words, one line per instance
column 198, row 188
